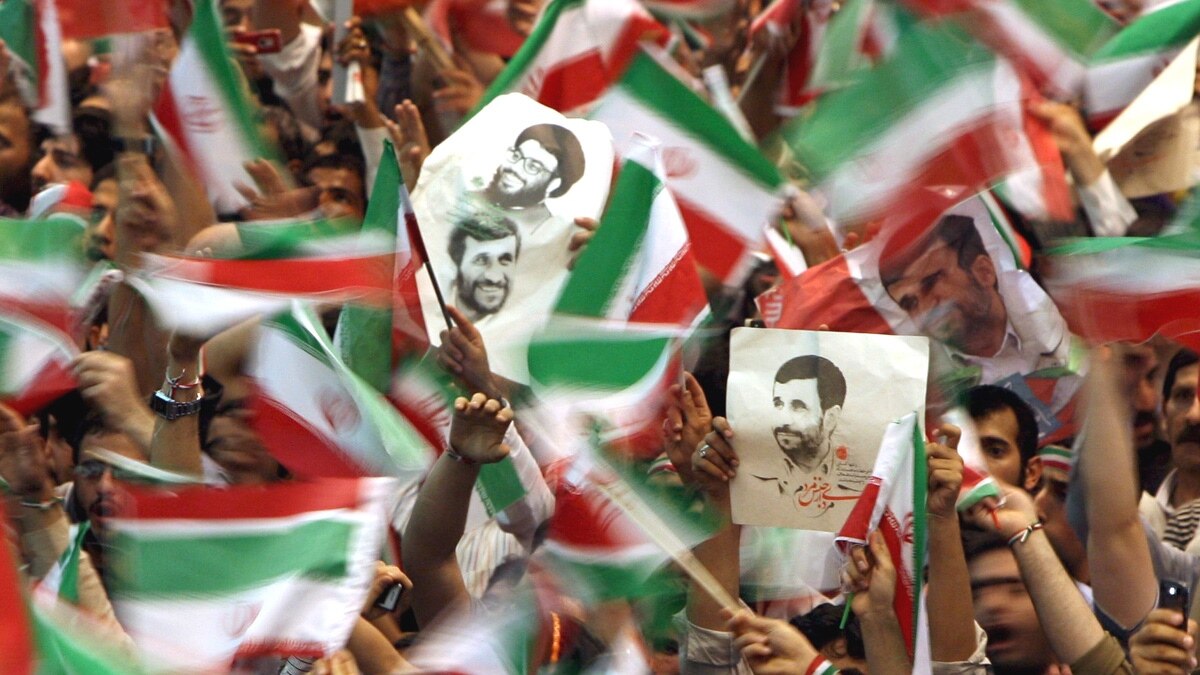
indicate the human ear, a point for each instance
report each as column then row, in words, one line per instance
column 1033, row 474
column 984, row 270
column 830, row 419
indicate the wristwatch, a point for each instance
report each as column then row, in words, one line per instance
column 169, row 409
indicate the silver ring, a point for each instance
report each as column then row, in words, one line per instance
column 704, row 450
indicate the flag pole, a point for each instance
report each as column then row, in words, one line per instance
column 418, row 242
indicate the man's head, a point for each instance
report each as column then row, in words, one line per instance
column 947, row 283
column 1008, row 435
column 1140, row 368
column 545, row 161
column 1182, row 410
column 16, row 152
column 96, row 492
column 808, row 395
column 1003, row 607
column 339, row 178
column 484, row 248
column 61, row 161
column 1051, row 502
column 843, row 647
column 100, row 241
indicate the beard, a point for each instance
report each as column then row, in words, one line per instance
column 803, row 448
column 466, row 294
column 514, row 198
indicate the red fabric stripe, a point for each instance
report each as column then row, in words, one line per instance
column 278, row 500
column 714, row 245
column 585, row 520
column 167, row 113
column 55, row 316
column 42, row 53
column 676, row 296
column 53, row 381
column 574, row 83
column 1107, row 316
column 300, row 276
column 86, row 19
column 826, row 294
column 16, row 637
column 304, row 451
column 1055, row 193
column 893, row 535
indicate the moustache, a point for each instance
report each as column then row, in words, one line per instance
column 1143, row 417
column 1189, row 434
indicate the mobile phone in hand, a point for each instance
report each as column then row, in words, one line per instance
column 263, row 41
column 389, row 598
column 1174, row 595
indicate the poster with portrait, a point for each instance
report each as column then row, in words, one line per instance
column 496, row 202
column 809, row 409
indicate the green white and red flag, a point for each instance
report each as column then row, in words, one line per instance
column 1131, row 59
column 33, row 37
column 796, row 83
column 35, row 363
column 371, row 340
column 316, row 416
column 689, row 9
column 1051, row 42
column 941, row 110
column 319, row 260
column 41, row 268
column 633, row 293
column 205, row 576
column 578, row 48
column 87, row 19
column 893, row 503
column 704, row 156
column 205, row 114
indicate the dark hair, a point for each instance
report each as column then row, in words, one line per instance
column 1182, row 359
column 822, row 626
column 106, row 172
column 956, row 231
column 976, row 542
column 831, row 384
column 481, row 227
column 987, row 399
column 565, row 147
column 338, row 160
column 93, row 127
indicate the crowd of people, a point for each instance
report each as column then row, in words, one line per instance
column 1074, row 565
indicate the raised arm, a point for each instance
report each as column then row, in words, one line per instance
column 871, row 575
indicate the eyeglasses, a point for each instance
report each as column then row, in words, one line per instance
column 528, row 165
column 91, row 468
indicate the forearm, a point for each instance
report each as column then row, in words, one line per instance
column 720, row 555
column 371, row 650
column 884, row 643
column 1069, row 624
column 175, row 445
column 437, row 523
column 952, row 614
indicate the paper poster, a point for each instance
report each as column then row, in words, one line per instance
column 496, row 202
column 1159, row 158
column 809, row 410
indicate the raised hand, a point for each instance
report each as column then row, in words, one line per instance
column 22, row 457
column 771, row 646
column 688, row 419
column 945, row 473
column 870, row 574
column 1162, row 647
column 108, row 382
column 464, row 355
column 477, row 429
column 411, row 141
column 385, row 576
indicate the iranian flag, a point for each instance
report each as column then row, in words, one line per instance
column 41, row 268
column 205, row 114
column 704, row 156
column 35, row 363
column 87, row 19
column 1130, row 288
column 634, row 291
column 319, row 418
column 578, row 48
column 33, row 37
column 941, row 110
column 370, row 339
column 796, row 82
column 1052, row 42
column 205, row 576
column 319, row 260
column 893, row 503
column 1130, row 61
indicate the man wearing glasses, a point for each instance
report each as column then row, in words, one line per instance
column 544, row 162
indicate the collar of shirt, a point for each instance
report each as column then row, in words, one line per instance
column 1163, row 496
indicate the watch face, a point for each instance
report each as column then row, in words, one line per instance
column 170, row 409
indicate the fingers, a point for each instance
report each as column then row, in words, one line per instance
column 879, row 550
column 695, row 393
column 464, row 324
column 589, row 224
column 952, row 433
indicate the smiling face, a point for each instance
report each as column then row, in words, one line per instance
column 524, row 177
column 485, row 274
column 799, row 424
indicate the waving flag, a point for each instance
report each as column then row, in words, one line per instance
column 942, row 110
column 205, row 114
column 577, row 49
column 41, row 268
column 207, row 576
column 87, row 19
column 31, row 33
column 313, row 259
column 319, row 418
column 703, row 156
column 893, row 503
column 1131, row 60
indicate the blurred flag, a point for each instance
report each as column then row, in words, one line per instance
column 206, row 115
column 861, row 34
column 315, row 259
column 941, row 110
column 893, row 503
column 1131, row 60
column 480, row 25
column 316, row 416
column 578, row 48
column 690, row 9
column 87, row 19
column 220, row 574
column 371, row 339
column 703, row 156
column 1050, row 41
column 634, row 291
column 780, row 18
column 32, row 35
column 35, row 363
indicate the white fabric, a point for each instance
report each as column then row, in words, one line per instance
column 1108, row 211
column 294, row 72
column 371, row 141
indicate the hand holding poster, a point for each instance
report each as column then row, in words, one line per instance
column 497, row 203
column 809, row 409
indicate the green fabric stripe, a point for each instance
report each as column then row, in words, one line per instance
column 530, row 49
column 219, row 564
column 499, row 486
column 206, row 30
column 927, row 58
column 658, row 90
column 63, row 649
column 365, row 333
column 1078, row 25
column 604, row 263
column 313, row 343
column 601, row 581
column 17, row 20
column 68, row 584
column 57, row 239
column 1157, row 31
column 273, row 240
column 920, row 492
column 838, row 59
column 608, row 364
